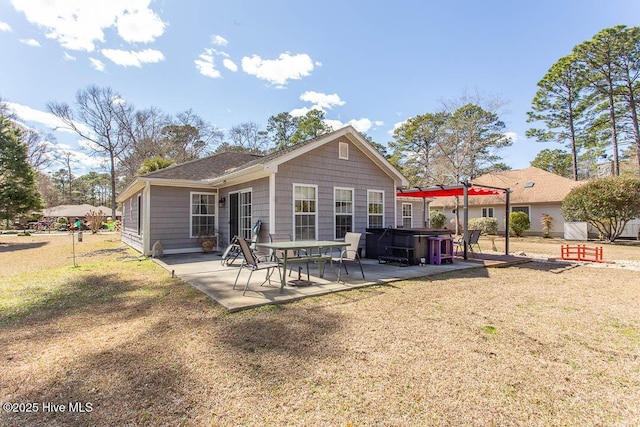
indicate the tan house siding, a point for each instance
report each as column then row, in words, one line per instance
column 542, row 191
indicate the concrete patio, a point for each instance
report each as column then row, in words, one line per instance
column 206, row 273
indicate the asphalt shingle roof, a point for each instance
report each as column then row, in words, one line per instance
column 529, row 185
column 207, row 167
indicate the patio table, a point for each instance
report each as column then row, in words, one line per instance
column 298, row 245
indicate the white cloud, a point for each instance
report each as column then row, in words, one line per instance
column 97, row 64
column 219, row 40
column 129, row 58
column 322, row 100
column 512, row 135
column 230, row 65
column 206, row 64
column 361, row 125
column 30, row 42
column 396, row 126
column 299, row 112
column 5, row 27
column 68, row 57
column 279, row 71
column 139, row 25
column 28, row 114
column 78, row 24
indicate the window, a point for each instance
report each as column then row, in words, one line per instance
column 203, row 213
column 524, row 209
column 343, row 205
column 407, row 209
column 343, row 151
column 244, row 205
column 305, row 213
column 139, row 225
column 375, row 203
column 487, row 212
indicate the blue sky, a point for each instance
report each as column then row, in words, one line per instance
column 371, row 64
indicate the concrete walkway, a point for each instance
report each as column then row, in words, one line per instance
column 206, row 273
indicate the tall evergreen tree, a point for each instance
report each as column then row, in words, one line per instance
column 559, row 104
column 18, row 190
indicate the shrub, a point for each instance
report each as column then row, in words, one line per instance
column 62, row 220
column 518, row 223
column 437, row 219
column 608, row 204
column 546, row 221
column 487, row 225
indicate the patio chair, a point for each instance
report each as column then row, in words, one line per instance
column 232, row 252
column 291, row 255
column 472, row 237
column 348, row 254
column 253, row 263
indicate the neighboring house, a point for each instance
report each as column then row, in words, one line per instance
column 319, row 189
column 533, row 191
column 71, row 212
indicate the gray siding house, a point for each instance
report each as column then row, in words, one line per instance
column 320, row 189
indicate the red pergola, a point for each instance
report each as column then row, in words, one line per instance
column 465, row 190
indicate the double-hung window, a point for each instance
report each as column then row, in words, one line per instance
column 407, row 215
column 487, row 212
column 343, row 205
column 305, row 211
column 375, row 204
column 524, row 209
column 203, row 214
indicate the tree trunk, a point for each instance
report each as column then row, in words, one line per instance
column 614, row 133
column 634, row 120
column 113, row 187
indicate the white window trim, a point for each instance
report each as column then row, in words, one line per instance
column 139, row 224
column 293, row 208
column 343, row 150
column 411, row 214
column 369, row 192
column 493, row 212
column 215, row 210
column 239, row 193
column 335, row 214
column 522, row 206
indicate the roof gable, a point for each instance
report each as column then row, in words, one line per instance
column 230, row 167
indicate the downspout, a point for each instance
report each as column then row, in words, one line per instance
column 424, row 213
column 146, row 219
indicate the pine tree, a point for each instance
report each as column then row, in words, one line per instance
column 18, row 191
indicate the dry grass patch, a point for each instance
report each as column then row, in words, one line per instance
column 627, row 250
column 537, row 344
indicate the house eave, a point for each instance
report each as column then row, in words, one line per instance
column 140, row 183
column 238, row 177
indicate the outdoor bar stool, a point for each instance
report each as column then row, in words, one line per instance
column 440, row 250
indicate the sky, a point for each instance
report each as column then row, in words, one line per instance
column 371, row 64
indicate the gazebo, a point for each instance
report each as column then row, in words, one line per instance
column 465, row 189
